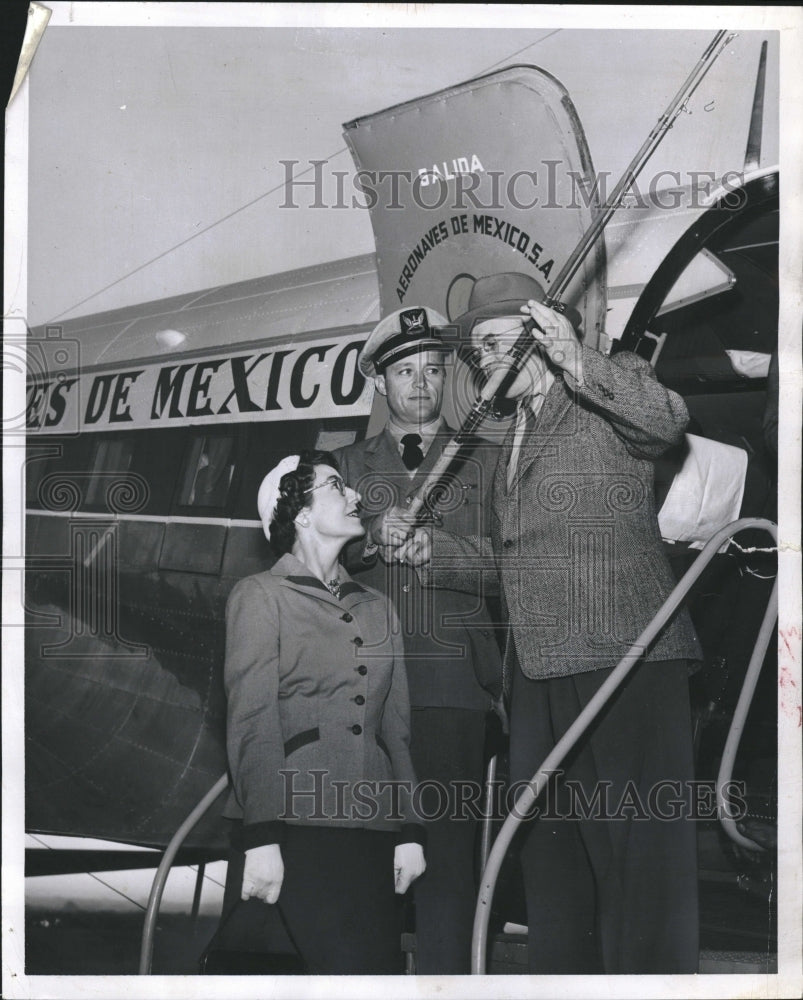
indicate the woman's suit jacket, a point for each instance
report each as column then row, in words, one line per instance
column 317, row 695
column 575, row 543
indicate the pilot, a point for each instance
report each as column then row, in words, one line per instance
column 575, row 551
column 451, row 651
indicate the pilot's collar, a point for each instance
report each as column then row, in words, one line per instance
column 427, row 433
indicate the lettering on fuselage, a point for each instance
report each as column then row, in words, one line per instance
column 319, row 379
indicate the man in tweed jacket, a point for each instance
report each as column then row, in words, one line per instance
column 576, row 555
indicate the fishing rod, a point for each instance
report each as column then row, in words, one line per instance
column 502, row 378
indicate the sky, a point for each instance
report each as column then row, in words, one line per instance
column 158, row 156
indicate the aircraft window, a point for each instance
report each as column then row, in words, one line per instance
column 158, row 456
column 329, row 439
column 112, row 456
column 36, row 465
column 209, row 471
column 267, row 444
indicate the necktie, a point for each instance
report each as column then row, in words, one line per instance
column 412, row 456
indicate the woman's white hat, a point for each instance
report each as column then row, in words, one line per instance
column 268, row 495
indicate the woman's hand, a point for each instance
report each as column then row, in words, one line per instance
column 408, row 865
column 264, row 873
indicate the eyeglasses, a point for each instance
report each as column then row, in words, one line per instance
column 335, row 481
column 491, row 344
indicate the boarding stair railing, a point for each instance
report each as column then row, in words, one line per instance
column 160, row 878
column 493, row 857
column 526, row 800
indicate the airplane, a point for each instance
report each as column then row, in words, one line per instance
column 150, row 427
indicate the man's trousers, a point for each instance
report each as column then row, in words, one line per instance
column 610, row 867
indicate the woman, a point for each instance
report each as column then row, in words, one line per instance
column 318, row 731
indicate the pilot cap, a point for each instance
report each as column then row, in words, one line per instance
column 404, row 332
column 268, row 495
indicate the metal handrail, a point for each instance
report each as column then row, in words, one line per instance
column 530, row 793
column 485, row 833
column 737, row 725
column 159, row 880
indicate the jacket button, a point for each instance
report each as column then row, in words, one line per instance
column 347, row 617
column 356, row 729
column 360, row 699
column 362, row 670
column 357, row 640
column 508, row 542
column 406, row 588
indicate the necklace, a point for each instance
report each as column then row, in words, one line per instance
column 333, row 586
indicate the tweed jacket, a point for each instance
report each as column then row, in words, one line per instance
column 451, row 651
column 317, row 694
column 575, row 549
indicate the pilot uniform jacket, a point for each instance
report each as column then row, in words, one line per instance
column 317, row 694
column 452, row 655
column 574, row 543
